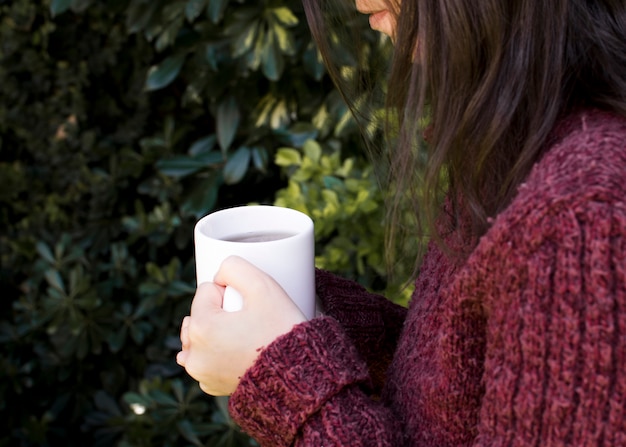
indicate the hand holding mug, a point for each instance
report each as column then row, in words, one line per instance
column 219, row 346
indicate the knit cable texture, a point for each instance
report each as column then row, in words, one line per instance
column 523, row 344
column 297, row 376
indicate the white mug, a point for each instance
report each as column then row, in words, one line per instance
column 277, row 240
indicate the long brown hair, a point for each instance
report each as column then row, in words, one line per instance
column 489, row 79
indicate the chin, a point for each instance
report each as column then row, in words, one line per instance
column 383, row 24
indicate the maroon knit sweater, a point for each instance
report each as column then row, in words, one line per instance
column 521, row 344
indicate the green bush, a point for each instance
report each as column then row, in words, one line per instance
column 343, row 197
column 121, row 123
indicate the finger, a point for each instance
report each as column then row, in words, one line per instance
column 242, row 275
column 184, row 333
column 208, row 298
column 181, row 358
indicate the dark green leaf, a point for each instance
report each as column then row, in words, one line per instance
column 228, row 118
column 138, row 333
column 237, row 166
column 178, row 390
column 180, row 166
column 298, row 134
column 215, row 9
column 313, row 63
column 116, row 339
column 169, row 34
column 180, row 288
column 202, row 145
column 246, row 39
column 139, row 15
column 152, row 142
column 163, row 399
column 54, row 279
column 106, row 403
column 185, row 428
column 163, row 74
column 172, row 11
column 202, row 197
column 260, row 158
column 212, row 158
column 272, row 58
column 44, row 251
column 59, row 6
column 194, row 8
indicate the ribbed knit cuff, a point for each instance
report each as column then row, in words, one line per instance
column 292, row 378
column 331, row 288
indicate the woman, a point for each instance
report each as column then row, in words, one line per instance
column 516, row 332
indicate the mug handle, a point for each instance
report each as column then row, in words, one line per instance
column 233, row 301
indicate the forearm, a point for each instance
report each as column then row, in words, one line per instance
column 310, row 388
column 351, row 419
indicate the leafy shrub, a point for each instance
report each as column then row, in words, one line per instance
column 342, row 196
column 121, row 123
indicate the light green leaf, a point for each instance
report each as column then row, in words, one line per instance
column 285, row 16
column 288, row 157
column 245, row 40
column 285, row 40
column 163, row 74
column 312, row 150
column 254, row 58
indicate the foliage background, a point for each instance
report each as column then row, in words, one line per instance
column 121, row 123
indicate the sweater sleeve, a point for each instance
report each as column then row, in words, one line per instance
column 372, row 322
column 555, row 365
column 308, row 388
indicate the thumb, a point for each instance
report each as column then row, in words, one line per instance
column 244, row 277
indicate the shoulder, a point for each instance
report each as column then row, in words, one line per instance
column 584, row 163
column 577, row 187
column 585, row 158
